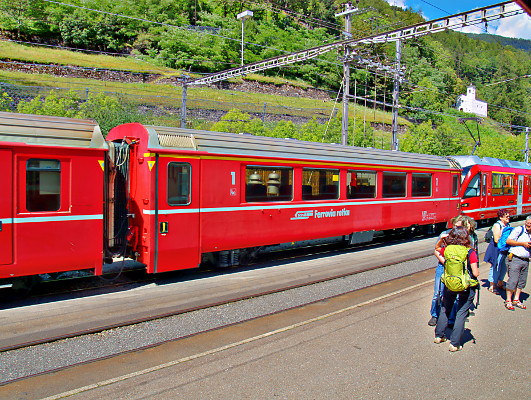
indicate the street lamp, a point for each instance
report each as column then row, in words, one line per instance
column 243, row 16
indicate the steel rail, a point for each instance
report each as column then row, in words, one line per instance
column 455, row 21
column 221, row 326
column 281, row 257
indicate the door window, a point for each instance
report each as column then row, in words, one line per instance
column 455, row 185
column 43, row 185
column 179, row 183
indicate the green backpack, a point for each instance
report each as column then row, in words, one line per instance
column 456, row 277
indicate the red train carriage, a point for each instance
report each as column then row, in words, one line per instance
column 193, row 195
column 51, row 207
column 489, row 184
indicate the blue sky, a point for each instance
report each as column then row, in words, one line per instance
column 518, row 26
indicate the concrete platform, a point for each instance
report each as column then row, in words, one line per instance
column 371, row 344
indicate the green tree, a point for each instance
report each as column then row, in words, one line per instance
column 6, row 102
column 423, row 139
column 236, row 121
column 108, row 111
column 53, row 104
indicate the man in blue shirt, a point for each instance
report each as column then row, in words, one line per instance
column 518, row 264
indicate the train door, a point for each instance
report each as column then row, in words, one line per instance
column 6, row 209
column 177, row 214
column 520, row 195
column 484, row 198
column 471, row 199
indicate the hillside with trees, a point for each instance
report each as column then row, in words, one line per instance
column 200, row 37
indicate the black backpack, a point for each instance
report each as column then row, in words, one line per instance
column 489, row 235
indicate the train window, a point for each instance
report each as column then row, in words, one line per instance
column 394, row 184
column 502, row 184
column 472, row 190
column 43, row 185
column 361, row 184
column 508, row 184
column 484, row 185
column 320, row 184
column 268, row 183
column 179, row 183
column 455, row 185
column 464, row 173
column 420, row 185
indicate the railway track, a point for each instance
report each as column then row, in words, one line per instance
column 130, row 274
column 102, row 315
column 418, row 278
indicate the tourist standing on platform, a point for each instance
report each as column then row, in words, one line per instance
column 458, row 236
column 494, row 256
column 518, row 264
column 437, row 290
column 470, row 225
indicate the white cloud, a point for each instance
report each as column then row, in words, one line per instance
column 473, row 29
column 515, row 27
column 518, row 26
column 398, row 3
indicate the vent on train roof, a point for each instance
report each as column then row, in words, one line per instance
column 176, row 140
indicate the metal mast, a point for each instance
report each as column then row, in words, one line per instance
column 468, row 18
column 346, row 70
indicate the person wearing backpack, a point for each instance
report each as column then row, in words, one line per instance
column 460, row 283
column 470, row 224
column 494, row 256
column 437, row 289
column 518, row 264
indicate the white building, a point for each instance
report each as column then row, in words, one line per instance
column 468, row 103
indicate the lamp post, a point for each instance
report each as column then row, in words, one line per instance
column 243, row 16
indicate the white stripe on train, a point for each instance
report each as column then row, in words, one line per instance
column 270, row 206
column 61, row 218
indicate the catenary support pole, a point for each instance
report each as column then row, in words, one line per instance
column 395, row 96
column 346, row 77
column 183, row 104
column 354, row 119
column 527, row 144
column 242, row 39
column 344, row 120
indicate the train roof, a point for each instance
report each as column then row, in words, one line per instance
column 46, row 130
column 261, row 146
column 468, row 161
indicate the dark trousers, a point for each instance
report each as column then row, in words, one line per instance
column 464, row 302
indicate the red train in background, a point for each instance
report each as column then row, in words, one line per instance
column 489, row 184
column 174, row 198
